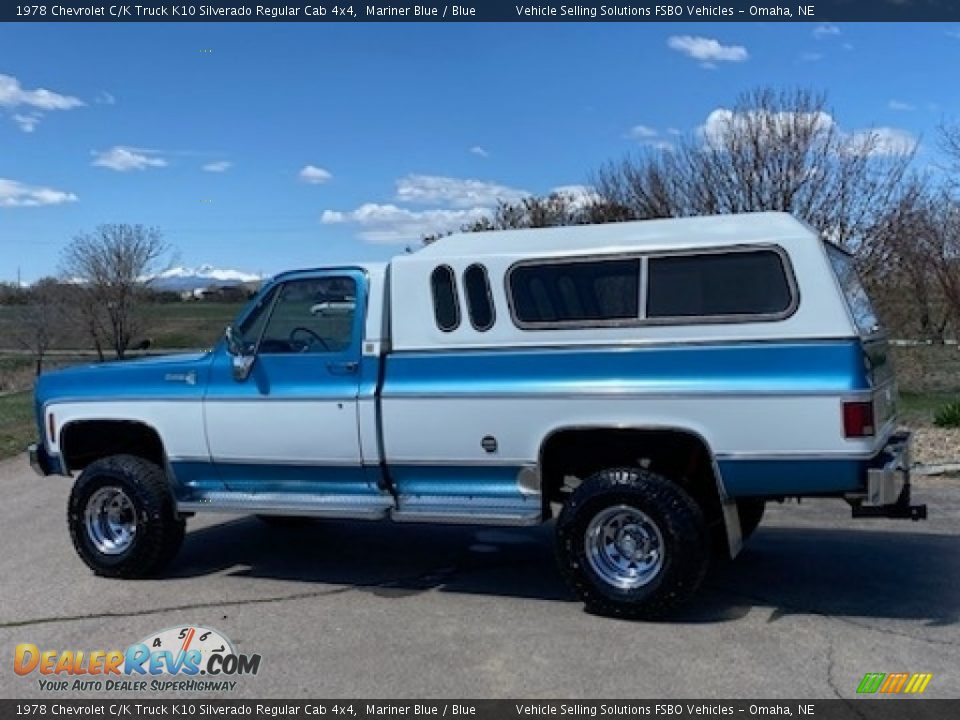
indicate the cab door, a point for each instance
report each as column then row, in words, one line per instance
column 291, row 424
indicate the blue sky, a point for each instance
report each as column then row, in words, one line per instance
column 264, row 147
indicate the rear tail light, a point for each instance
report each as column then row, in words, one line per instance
column 858, row 419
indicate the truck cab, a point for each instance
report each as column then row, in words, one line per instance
column 651, row 385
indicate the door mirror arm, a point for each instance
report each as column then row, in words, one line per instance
column 241, row 358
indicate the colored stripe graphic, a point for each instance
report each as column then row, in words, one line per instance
column 894, row 682
column 918, row 682
column 870, row 683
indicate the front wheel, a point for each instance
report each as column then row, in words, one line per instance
column 122, row 518
column 632, row 544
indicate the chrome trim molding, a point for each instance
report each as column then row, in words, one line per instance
column 359, row 507
column 614, row 394
column 760, row 456
column 319, row 464
column 471, row 462
column 531, row 346
column 458, row 516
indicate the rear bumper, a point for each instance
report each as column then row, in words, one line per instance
column 40, row 460
column 887, row 492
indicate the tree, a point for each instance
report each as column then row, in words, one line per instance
column 111, row 268
column 771, row 151
column 905, row 266
column 42, row 319
column 553, row 210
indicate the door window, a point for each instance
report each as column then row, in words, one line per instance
column 311, row 316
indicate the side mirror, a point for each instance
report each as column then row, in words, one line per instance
column 242, row 361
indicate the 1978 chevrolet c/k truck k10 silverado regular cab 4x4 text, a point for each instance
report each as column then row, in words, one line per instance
column 650, row 383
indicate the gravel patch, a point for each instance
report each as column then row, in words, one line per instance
column 936, row 446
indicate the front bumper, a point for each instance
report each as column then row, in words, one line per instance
column 888, row 484
column 40, row 460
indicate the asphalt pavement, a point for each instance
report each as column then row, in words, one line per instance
column 379, row 610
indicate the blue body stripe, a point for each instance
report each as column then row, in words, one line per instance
column 773, row 477
column 480, row 480
column 793, row 367
column 250, row 477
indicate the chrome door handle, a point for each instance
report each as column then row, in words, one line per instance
column 343, row 368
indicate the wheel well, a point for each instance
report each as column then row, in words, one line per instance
column 568, row 457
column 83, row 442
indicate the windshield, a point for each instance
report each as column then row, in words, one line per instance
column 853, row 291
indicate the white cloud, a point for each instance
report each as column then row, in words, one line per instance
column 580, row 196
column 650, row 137
column 642, row 132
column 12, row 94
column 27, row 121
column 454, row 192
column 218, row 167
column 900, row 105
column 875, row 141
column 388, row 223
column 314, row 175
column 707, row 50
column 105, row 98
column 479, row 151
column 16, row 194
column 811, row 57
column 826, row 30
column 123, row 159
column 722, row 121
column 883, row 141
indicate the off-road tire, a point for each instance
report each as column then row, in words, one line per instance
column 750, row 511
column 159, row 531
column 678, row 518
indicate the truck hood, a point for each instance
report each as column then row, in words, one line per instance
column 155, row 378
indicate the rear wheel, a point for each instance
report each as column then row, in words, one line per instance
column 122, row 517
column 631, row 543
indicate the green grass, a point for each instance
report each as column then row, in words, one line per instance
column 189, row 325
column 920, row 408
column 168, row 325
column 17, row 427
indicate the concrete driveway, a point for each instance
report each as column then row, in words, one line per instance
column 378, row 610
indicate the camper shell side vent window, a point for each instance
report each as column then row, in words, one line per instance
column 446, row 307
column 476, row 286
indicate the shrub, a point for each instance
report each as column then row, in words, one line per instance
column 948, row 416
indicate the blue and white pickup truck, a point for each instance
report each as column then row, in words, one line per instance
column 651, row 384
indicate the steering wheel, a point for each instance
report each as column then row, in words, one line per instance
column 307, row 343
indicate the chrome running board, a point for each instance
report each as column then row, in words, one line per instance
column 356, row 507
column 523, row 510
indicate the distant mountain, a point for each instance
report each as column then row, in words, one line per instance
column 182, row 279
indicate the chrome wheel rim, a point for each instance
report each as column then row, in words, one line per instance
column 624, row 547
column 110, row 520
